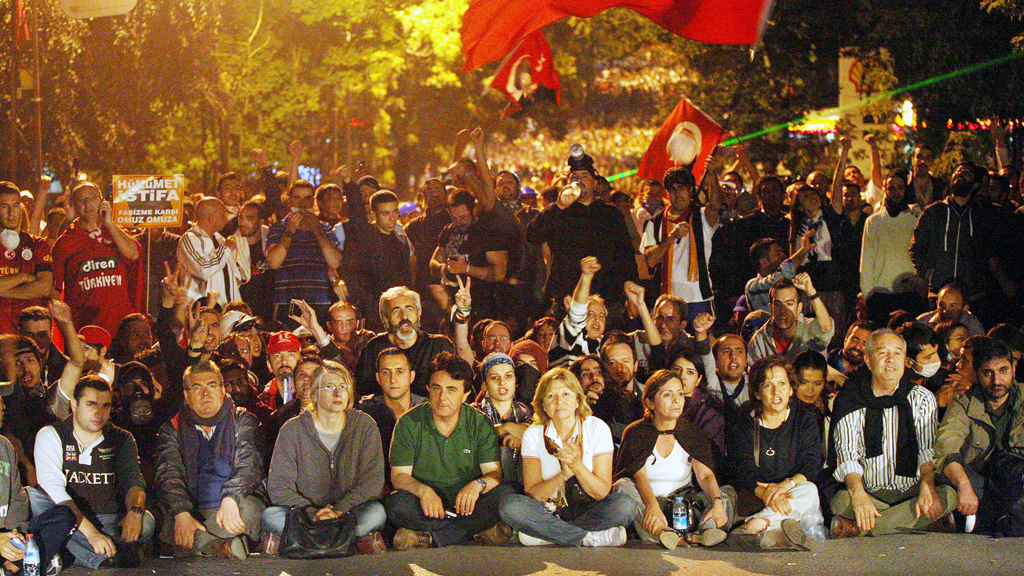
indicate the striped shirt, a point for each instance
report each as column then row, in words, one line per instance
column 571, row 342
column 303, row 274
column 879, row 473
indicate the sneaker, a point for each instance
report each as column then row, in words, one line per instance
column 527, row 540
column 271, row 542
column 793, row 535
column 712, row 537
column 610, row 537
column 56, row 565
column 406, row 539
column 231, row 549
column 669, row 539
column 497, row 535
column 372, row 543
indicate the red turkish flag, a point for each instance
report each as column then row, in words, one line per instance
column 687, row 138
column 20, row 24
column 492, row 28
column 526, row 69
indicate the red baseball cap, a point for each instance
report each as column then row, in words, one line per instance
column 96, row 336
column 283, row 342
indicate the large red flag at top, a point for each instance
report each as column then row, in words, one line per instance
column 687, row 138
column 492, row 28
column 528, row 68
column 20, row 24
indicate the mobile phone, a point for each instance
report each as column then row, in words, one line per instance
column 293, row 310
column 360, row 165
column 18, row 543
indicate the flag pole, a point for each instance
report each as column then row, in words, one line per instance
column 38, row 100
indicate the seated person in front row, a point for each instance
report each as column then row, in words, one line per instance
column 328, row 459
column 208, row 468
column 87, row 464
column 890, row 482
column 980, row 440
column 567, row 473
column 445, row 466
column 661, row 456
column 51, row 529
column 775, row 456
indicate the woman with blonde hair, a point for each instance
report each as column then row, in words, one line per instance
column 328, row 459
column 567, row 473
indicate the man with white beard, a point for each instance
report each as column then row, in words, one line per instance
column 400, row 311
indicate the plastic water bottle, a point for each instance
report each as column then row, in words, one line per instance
column 680, row 515
column 30, row 566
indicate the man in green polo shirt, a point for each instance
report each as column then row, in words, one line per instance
column 446, row 467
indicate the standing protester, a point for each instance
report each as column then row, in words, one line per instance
column 578, row 226
column 677, row 241
column 303, row 252
column 258, row 292
column 26, row 266
column 96, row 264
column 213, row 263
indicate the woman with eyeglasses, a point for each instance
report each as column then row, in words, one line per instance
column 329, row 460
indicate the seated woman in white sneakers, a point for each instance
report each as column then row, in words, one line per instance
column 660, row 457
column 567, row 473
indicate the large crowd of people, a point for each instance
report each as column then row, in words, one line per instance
column 688, row 363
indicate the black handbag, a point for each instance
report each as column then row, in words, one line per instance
column 305, row 539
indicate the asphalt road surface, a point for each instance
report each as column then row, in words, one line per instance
column 937, row 554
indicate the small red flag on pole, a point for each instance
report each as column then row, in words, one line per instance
column 528, row 68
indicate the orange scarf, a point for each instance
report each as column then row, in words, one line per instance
column 666, row 265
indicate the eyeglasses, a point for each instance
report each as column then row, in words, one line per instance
column 332, row 388
column 208, row 387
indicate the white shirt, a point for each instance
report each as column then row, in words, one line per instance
column 49, row 458
column 596, row 440
column 681, row 285
column 670, row 473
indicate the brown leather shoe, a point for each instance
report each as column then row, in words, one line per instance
column 944, row 525
column 497, row 535
column 372, row 543
column 231, row 549
column 406, row 539
column 843, row 528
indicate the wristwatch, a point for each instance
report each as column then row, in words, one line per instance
column 483, row 483
column 137, row 509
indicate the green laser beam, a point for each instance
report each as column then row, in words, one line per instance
column 834, row 111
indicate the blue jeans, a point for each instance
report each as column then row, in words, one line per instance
column 528, row 515
column 107, row 523
column 370, row 517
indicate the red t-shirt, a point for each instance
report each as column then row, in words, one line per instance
column 99, row 285
column 31, row 256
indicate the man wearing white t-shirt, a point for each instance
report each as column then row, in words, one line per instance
column 677, row 241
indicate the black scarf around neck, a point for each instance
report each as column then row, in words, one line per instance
column 857, row 394
column 896, row 208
